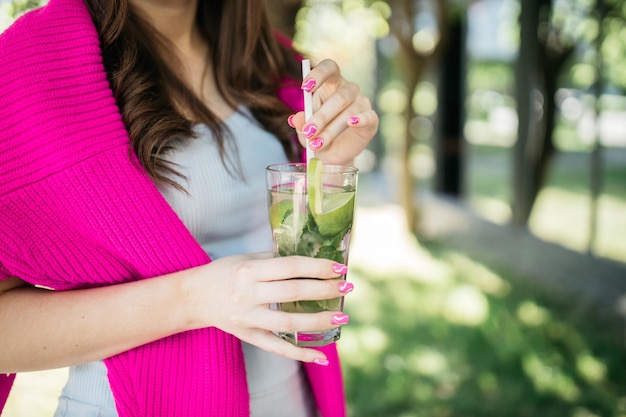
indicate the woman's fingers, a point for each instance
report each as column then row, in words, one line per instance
column 343, row 121
column 277, row 269
column 355, row 136
column 298, row 289
column 268, row 341
column 280, row 321
column 326, row 72
column 249, row 284
column 364, row 120
column 263, row 337
column 360, row 124
column 331, row 107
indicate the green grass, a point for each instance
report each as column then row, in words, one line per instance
column 490, row 172
column 562, row 212
column 451, row 337
column 468, row 343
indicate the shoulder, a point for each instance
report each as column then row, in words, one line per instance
column 55, row 93
column 45, row 31
column 43, row 20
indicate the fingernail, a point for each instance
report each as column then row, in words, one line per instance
column 339, row 319
column 290, row 120
column 309, row 130
column 354, row 120
column 321, row 362
column 346, row 287
column 316, row 143
column 309, row 85
column 340, row 269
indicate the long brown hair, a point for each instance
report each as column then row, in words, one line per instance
column 248, row 64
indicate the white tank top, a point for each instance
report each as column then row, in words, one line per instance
column 226, row 213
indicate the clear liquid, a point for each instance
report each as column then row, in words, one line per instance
column 296, row 232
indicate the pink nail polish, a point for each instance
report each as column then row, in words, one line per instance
column 321, row 362
column 290, row 120
column 340, row 269
column 339, row 319
column 316, row 143
column 309, row 85
column 309, row 130
column 346, row 287
column 354, row 120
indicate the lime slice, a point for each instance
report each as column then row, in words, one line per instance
column 314, row 185
column 279, row 211
column 337, row 213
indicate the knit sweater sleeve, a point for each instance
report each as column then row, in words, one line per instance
column 78, row 210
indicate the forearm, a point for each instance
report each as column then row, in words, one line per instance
column 43, row 329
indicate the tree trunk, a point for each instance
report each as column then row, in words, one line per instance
column 451, row 114
column 528, row 82
column 413, row 66
column 540, row 63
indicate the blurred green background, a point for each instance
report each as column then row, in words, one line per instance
column 489, row 250
column 494, row 315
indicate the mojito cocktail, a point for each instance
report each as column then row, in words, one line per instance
column 311, row 214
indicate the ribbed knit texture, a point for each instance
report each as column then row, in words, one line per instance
column 77, row 210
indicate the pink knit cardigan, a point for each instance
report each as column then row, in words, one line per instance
column 77, row 210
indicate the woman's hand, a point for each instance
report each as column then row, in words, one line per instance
column 343, row 122
column 54, row 329
column 234, row 293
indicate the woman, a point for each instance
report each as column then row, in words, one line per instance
column 134, row 134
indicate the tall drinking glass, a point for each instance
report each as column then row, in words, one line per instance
column 315, row 220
